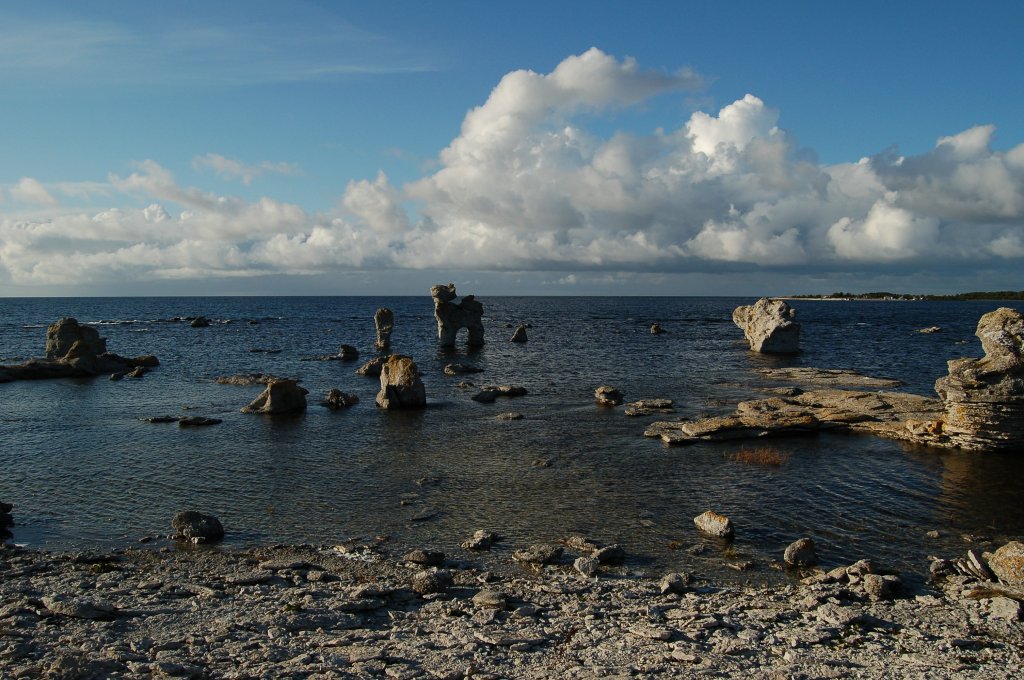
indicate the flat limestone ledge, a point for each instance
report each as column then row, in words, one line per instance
column 311, row 612
column 894, row 415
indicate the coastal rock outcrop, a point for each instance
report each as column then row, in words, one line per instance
column 279, row 397
column 372, row 368
column 384, row 323
column 73, row 351
column 520, row 334
column 713, row 524
column 197, row 527
column 606, row 395
column 769, row 327
column 1007, row 563
column 800, row 553
column 400, row 384
column 984, row 398
column 451, row 316
column 489, row 393
column 336, row 399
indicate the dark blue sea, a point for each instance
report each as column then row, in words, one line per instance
column 83, row 471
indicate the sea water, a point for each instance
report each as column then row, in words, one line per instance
column 83, row 469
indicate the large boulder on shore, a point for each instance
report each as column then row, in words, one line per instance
column 984, row 398
column 400, row 384
column 194, row 526
column 1008, row 563
column 451, row 316
column 769, row 327
column 279, row 397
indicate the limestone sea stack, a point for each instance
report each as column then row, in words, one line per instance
column 451, row 316
column 769, row 327
column 280, row 397
column 384, row 322
column 400, row 384
column 984, row 398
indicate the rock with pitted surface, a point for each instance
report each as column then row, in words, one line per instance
column 713, row 524
column 801, row 553
column 384, row 323
column 279, row 397
column 64, row 333
column 481, row 539
column 1007, row 563
column 400, row 384
column 769, row 327
column 461, row 369
column 197, row 527
column 372, row 367
column 984, row 398
column 606, row 395
column 451, row 316
column 520, row 334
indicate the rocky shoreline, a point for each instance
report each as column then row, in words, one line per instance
column 357, row 611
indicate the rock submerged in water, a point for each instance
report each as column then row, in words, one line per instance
column 400, row 384
column 801, row 553
column 278, row 398
column 488, row 394
column 451, row 316
column 194, row 526
column 520, row 334
column 769, row 327
column 336, row 399
column 984, row 398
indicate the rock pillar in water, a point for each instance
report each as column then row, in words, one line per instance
column 984, row 398
column 769, row 327
column 451, row 316
column 400, row 384
column 279, row 397
column 384, row 321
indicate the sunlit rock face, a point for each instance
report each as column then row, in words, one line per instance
column 769, row 327
column 451, row 316
column 984, row 398
column 400, row 384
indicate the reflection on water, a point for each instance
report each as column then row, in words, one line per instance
column 82, row 470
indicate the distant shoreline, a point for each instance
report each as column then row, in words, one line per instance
column 1012, row 295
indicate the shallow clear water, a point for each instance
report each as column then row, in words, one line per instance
column 83, row 471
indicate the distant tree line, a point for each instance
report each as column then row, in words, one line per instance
column 884, row 295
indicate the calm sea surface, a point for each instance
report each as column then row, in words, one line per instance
column 83, row 470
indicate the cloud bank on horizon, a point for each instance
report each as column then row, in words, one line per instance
column 526, row 186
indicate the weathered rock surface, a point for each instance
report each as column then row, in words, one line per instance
column 769, row 327
column 1007, row 563
column 461, row 369
column 826, row 377
column 895, row 415
column 984, row 398
column 194, row 526
column 800, row 553
column 714, row 524
column 372, row 368
column 481, row 539
column 198, row 421
column 353, row 611
column 280, row 397
column 606, row 395
column 646, row 407
column 384, row 324
column 451, row 316
column 200, row 322
column 245, row 380
column 520, row 334
column 489, row 393
column 336, row 399
column 400, row 384
column 74, row 351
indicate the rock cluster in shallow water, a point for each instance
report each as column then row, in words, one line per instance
column 400, row 384
column 451, row 316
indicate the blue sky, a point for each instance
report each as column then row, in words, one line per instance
column 527, row 148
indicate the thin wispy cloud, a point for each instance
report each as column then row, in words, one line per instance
column 211, row 50
column 229, row 168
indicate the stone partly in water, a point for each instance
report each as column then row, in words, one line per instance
column 197, row 527
column 384, row 323
column 451, row 316
column 372, row 367
column 489, row 393
column 984, row 398
column 606, row 395
column 6, row 520
column 520, row 334
column 336, row 399
column 646, row 407
column 656, row 329
column 400, row 384
column 713, row 524
column 74, row 351
column 801, row 553
column 348, row 353
column 200, row 322
column 280, row 397
column 769, row 327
